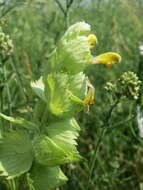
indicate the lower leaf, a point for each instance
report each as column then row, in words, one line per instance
column 16, row 154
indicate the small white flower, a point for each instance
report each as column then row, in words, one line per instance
column 140, row 121
column 141, row 49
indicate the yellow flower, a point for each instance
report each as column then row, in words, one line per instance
column 91, row 101
column 92, row 40
column 108, row 59
column 89, row 98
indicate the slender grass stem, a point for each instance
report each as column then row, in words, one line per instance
column 65, row 10
column 1, row 106
column 4, row 13
column 104, row 126
column 5, row 85
column 11, row 184
column 8, row 94
column 19, row 78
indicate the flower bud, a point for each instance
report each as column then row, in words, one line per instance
column 129, row 84
column 126, row 87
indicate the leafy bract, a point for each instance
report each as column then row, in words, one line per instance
column 16, row 154
column 57, row 94
column 74, row 55
column 38, row 88
column 64, row 94
column 48, row 153
column 39, row 111
column 59, row 146
column 77, row 29
column 78, row 85
column 65, row 133
column 45, row 178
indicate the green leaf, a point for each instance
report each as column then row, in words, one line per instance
column 45, row 178
column 38, row 88
column 59, row 146
column 20, row 121
column 16, row 154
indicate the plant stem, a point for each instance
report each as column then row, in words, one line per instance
column 19, row 79
column 4, row 84
column 11, row 184
column 104, row 126
column 65, row 11
column 1, row 106
column 8, row 93
column 22, row 182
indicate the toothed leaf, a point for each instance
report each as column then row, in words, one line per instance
column 49, row 153
column 64, row 134
column 63, row 98
column 38, row 88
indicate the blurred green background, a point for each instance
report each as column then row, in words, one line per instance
column 35, row 27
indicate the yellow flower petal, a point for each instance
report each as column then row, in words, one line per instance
column 91, row 46
column 92, row 40
column 91, row 101
column 108, row 59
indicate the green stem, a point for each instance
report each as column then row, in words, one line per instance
column 65, row 11
column 68, row 5
column 22, row 182
column 11, row 184
column 19, row 79
column 2, row 122
column 8, row 94
column 6, row 11
column 4, row 84
column 104, row 126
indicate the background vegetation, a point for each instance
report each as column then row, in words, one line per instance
column 35, row 27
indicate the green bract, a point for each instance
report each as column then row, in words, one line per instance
column 44, row 178
column 65, row 93
column 73, row 53
column 77, row 29
column 58, row 146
